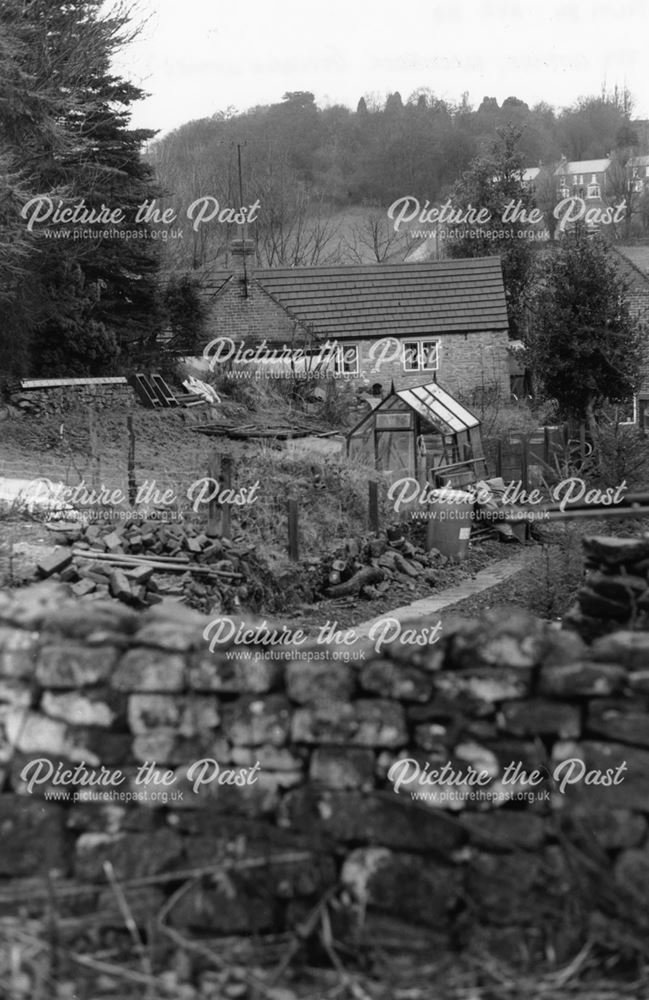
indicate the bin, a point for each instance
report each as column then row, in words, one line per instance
column 450, row 518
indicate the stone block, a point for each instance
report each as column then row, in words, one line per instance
column 32, row 607
column 108, row 746
column 582, row 678
column 236, row 675
column 505, row 830
column 484, row 686
column 374, row 818
column 395, row 680
column 503, row 638
column 627, row 787
column 318, row 681
column 539, row 717
column 372, row 722
column 78, row 709
column 562, row 646
column 147, row 712
column 624, row 721
column 422, row 892
column 17, row 652
column 67, row 665
column 102, row 621
column 342, row 767
column 132, row 855
column 172, row 636
column 629, row 649
column 14, row 694
column 522, row 887
column 30, row 732
column 274, row 758
column 256, row 793
column 595, row 605
column 54, row 562
column 616, row 551
column 253, row 721
column 32, row 837
column 146, row 669
column 638, row 681
column 611, row 829
column 120, row 586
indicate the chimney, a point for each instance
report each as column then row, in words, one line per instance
column 241, row 260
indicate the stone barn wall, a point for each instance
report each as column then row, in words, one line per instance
column 301, row 803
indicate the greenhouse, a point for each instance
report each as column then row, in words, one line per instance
column 422, row 432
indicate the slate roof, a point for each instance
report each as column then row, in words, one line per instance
column 448, row 296
column 583, row 167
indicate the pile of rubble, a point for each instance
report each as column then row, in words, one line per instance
column 147, row 560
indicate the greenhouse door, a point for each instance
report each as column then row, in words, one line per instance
column 394, row 443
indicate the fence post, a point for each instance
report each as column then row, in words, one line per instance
column 293, row 538
column 525, row 462
column 132, row 486
column 374, row 506
column 226, row 483
column 499, row 458
column 213, row 520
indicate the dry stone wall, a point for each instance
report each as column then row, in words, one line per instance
column 279, row 769
column 60, row 399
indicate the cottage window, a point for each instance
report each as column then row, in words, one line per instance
column 593, row 190
column 347, row 360
column 421, row 355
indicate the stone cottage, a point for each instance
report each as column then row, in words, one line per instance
column 405, row 324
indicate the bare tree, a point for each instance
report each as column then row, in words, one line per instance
column 374, row 240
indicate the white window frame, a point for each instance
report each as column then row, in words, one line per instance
column 421, row 363
column 341, row 360
column 593, row 190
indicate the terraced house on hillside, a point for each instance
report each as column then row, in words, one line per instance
column 406, row 324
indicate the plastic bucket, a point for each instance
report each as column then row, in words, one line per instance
column 451, row 514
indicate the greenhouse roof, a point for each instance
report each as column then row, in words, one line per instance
column 434, row 403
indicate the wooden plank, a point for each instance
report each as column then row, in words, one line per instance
column 164, row 392
column 51, row 383
column 144, row 390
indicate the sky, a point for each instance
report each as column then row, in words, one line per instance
column 197, row 57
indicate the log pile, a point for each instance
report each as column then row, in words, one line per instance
column 145, row 561
column 371, row 565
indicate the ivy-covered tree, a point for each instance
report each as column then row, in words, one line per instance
column 186, row 312
column 64, row 118
column 585, row 347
